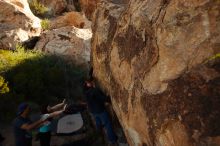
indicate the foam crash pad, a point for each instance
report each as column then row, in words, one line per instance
column 69, row 124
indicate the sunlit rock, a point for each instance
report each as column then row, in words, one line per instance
column 17, row 23
column 71, row 42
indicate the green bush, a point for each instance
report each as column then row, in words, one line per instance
column 3, row 86
column 37, row 77
column 37, row 8
column 45, row 24
column 10, row 59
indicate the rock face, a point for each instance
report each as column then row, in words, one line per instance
column 151, row 58
column 17, row 23
column 88, row 7
column 68, row 41
column 56, row 7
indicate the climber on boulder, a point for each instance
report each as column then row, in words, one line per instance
column 96, row 103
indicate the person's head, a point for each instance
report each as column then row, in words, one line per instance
column 88, row 84
column 23, row 109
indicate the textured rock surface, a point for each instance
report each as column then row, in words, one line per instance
column 70, row 8
column 88, row 7
column 68, row 41
column 56, row 7
column 150, row 56
column 17, row 23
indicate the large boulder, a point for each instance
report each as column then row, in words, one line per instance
column 153, row 59
column 70, row 42
column 17, row 23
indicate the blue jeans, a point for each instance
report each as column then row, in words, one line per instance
column 102, row 119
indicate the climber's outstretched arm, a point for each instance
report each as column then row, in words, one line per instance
column 57, row 107
column 53, row 114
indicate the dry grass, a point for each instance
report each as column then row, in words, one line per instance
column 69, row 19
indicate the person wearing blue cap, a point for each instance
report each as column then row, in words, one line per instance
column 23, row 126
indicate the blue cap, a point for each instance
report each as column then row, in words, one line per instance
column 22, row 107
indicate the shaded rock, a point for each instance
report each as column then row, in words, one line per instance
column 30, row 44
column 70, row 8
column 214, row 141
column 151, row 57
column 72, row 42
column 17, row 23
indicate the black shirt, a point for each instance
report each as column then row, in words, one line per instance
column 22, row 137
column 96, row 100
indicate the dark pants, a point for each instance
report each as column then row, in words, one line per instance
column 102, row 119
column 1, row 139
column 45, row 138
column 23, row 142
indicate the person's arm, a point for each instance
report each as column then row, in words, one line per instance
column 29, row 127
column 57, row 113
column 57, row 107
column 83, row 103
column 54, row 114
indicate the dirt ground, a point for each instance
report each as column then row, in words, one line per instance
column 7, row 132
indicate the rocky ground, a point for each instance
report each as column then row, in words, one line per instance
column 88, row 138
